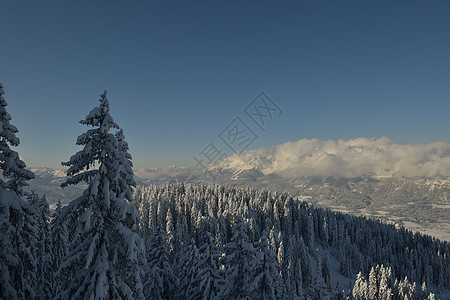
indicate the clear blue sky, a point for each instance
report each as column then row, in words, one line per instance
column 177, row 73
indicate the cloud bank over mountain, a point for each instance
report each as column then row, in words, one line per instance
column 346, row 158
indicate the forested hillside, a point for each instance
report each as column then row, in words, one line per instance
column 217, row 241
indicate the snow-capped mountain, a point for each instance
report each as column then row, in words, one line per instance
column 344, row 158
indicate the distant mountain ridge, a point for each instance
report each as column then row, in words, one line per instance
column 48, row 181
column 417, row 203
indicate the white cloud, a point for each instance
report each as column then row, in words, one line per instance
column 348, row 158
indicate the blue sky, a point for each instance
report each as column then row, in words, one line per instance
column 178, row 72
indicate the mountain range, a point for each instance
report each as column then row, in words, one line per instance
column 417, row 203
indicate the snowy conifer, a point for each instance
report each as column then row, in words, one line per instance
column 59, row 238
column 294, row 280
column 17, row 218
column 422, row 294
column 360, row 288
column 307, row 271
column 319, row 288
column 13, row 168
column 106, row 255
column 239, row 252
column 208, row 279
column 187, row 289
column 265, row 281
column 384, row 290
column 373, row 283
column 326, row 273
column 17, row 247
column 43, row 246
column 160, row 281
column 126, row 174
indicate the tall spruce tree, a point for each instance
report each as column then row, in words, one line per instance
column 239, row 253
column 59, row 238
column 208, row 279
column 17, row 218
column 187, row 288
column 106, row 256
column 126, row 174
column 160, row 281
column 265, row 281
column 17, row 247
column 373, row 283
column 12, row 167
column 326, row 273
column 43, row 246
column 359, row 291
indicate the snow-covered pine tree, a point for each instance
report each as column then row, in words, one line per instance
column 319, row 288
column 373, row 283
column 59, row 238
column 360, row 288
column 208, row 279
column 33, row 199
column 13, row 168
column 265, row 281
column 384, row 290
column 187, row 289
column 307, row 271
column 160, row 281
column 126, row 174
column 17, row 247
column 326, row 273
column 422, row 294
column 239, row 252
column 309, row 239
column 293, row 278
column 17, row 218
column 281, row 259
column 106, row 256
column 170, row 230
column 43, row 246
